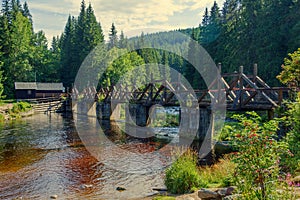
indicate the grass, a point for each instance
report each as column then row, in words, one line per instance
column 164, row 198
column 183, row 176
column 218, row 175
column 3, row 102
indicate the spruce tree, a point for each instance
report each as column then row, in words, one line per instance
column 123, row 41
column 26, row 12
column 68, row 53
column 113, row 37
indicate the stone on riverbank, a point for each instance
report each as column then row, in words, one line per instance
column 215, row 195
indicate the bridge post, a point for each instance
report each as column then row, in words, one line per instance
column 205, row 134
column 92, row 109
column 241, row 84
column 115, row 111
column 255, row 72
column 138, row 113
column 104, row 110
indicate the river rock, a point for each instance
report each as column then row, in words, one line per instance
column 54, row 196
column 208, row 195
column 85, row 186
column 225, row 191
column 232, row 197
column 222, row 148
column 120, row 189
column 188, row 198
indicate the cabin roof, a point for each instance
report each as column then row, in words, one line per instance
column 38, row 86
column 25, row 86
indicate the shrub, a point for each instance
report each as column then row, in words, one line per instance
column 183, row 175
column 293, row 136
column 21, row 107
column 257, row 161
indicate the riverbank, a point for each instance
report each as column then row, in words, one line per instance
column 10, row 111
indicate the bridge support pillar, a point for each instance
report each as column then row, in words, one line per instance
column 138, row 114
column 188, row 122
column 104, row 110
column 115, row 112
column 92, row 111
column 108, row 111
column 205, row 135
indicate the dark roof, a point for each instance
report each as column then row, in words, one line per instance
column 38, row 86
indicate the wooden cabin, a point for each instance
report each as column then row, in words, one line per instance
column 34, row 90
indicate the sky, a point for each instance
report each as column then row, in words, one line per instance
column 130, row 16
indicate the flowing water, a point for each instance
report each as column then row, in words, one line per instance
column 43, row 155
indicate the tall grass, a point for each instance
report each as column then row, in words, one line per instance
column 218, row 175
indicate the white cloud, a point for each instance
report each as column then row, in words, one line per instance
column 128, row 15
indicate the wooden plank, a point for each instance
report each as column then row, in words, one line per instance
column 144, row 92
column 249, row 98
column 157, row 93
column 262, row 93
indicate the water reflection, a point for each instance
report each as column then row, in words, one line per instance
column 44, row 155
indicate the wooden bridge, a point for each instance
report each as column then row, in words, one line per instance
column 238, row 91
column 233, row 91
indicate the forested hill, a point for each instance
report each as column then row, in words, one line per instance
column 239, row 32
column 245, row 32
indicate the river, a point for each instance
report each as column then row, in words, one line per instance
column 43, row 155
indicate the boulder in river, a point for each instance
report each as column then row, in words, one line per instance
column 120, row 189
column 54, row 196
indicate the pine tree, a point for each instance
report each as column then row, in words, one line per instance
column 80, row 34
column 80, row 37
column 123, row 41
column 26, row 12
column 6, row 8
column 93, row 34
column 68, row 53
column 17, row 65
column 113, row 37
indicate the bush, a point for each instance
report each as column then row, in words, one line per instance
column 257, row 173
column 21, row 107
column 293, row 136
column 183, row 175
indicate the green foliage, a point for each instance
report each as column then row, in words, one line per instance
column 227, row 132
column 80, row 37
column 113, row 37
column 2, row 118
column 20, row 107
column 122, row 67
column 166, row 120
column 291, row 70
column 164, row 198
column 257, row 161
column 292, row 161
column 219, row 175
column 183, row 175
column 24, row 53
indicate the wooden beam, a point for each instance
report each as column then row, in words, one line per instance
column 262, row 93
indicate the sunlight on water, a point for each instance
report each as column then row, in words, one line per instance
column 43, row 155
